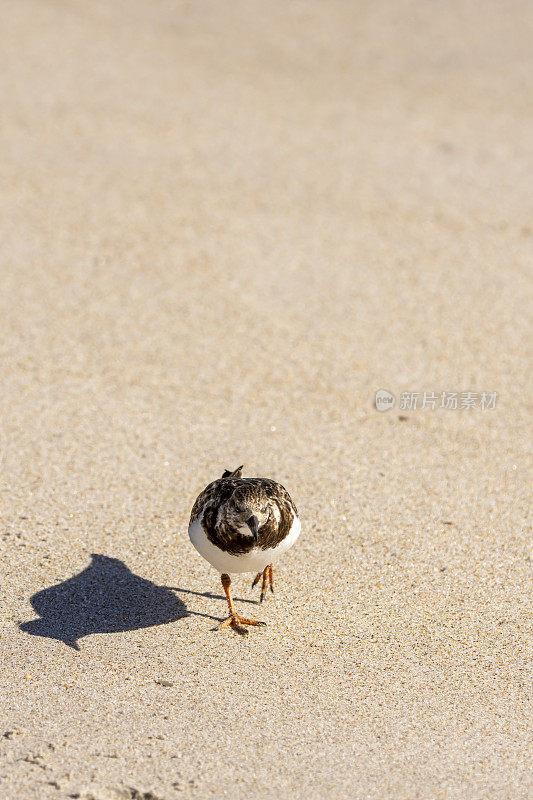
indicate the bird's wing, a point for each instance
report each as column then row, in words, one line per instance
column 216, row 493
column 274, row 531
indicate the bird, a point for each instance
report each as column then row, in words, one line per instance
column 243, row 525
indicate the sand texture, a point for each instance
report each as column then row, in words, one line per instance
column 224, row 226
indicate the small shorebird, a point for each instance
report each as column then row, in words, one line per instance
column 243, row 525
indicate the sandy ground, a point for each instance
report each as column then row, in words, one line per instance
column 224, row 226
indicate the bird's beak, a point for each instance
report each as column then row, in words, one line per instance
column 253, row 524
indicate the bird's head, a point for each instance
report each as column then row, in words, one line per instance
column 249, row 509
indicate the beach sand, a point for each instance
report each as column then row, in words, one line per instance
column 224, row 227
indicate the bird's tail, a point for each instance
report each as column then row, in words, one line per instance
column 237, row 473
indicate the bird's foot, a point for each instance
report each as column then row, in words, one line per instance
column 237, row 622
column 268, row 577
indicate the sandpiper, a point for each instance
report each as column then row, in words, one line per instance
column 243, row 525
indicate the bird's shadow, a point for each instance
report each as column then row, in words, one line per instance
column 212, row 596
column 106, row 597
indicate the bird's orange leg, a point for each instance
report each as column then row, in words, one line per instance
column 271, row 577
column 268, row 576
column 235, row 620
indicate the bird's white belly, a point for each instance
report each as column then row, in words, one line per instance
column 254, row 561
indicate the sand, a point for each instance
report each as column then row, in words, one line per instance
column 224, row 227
